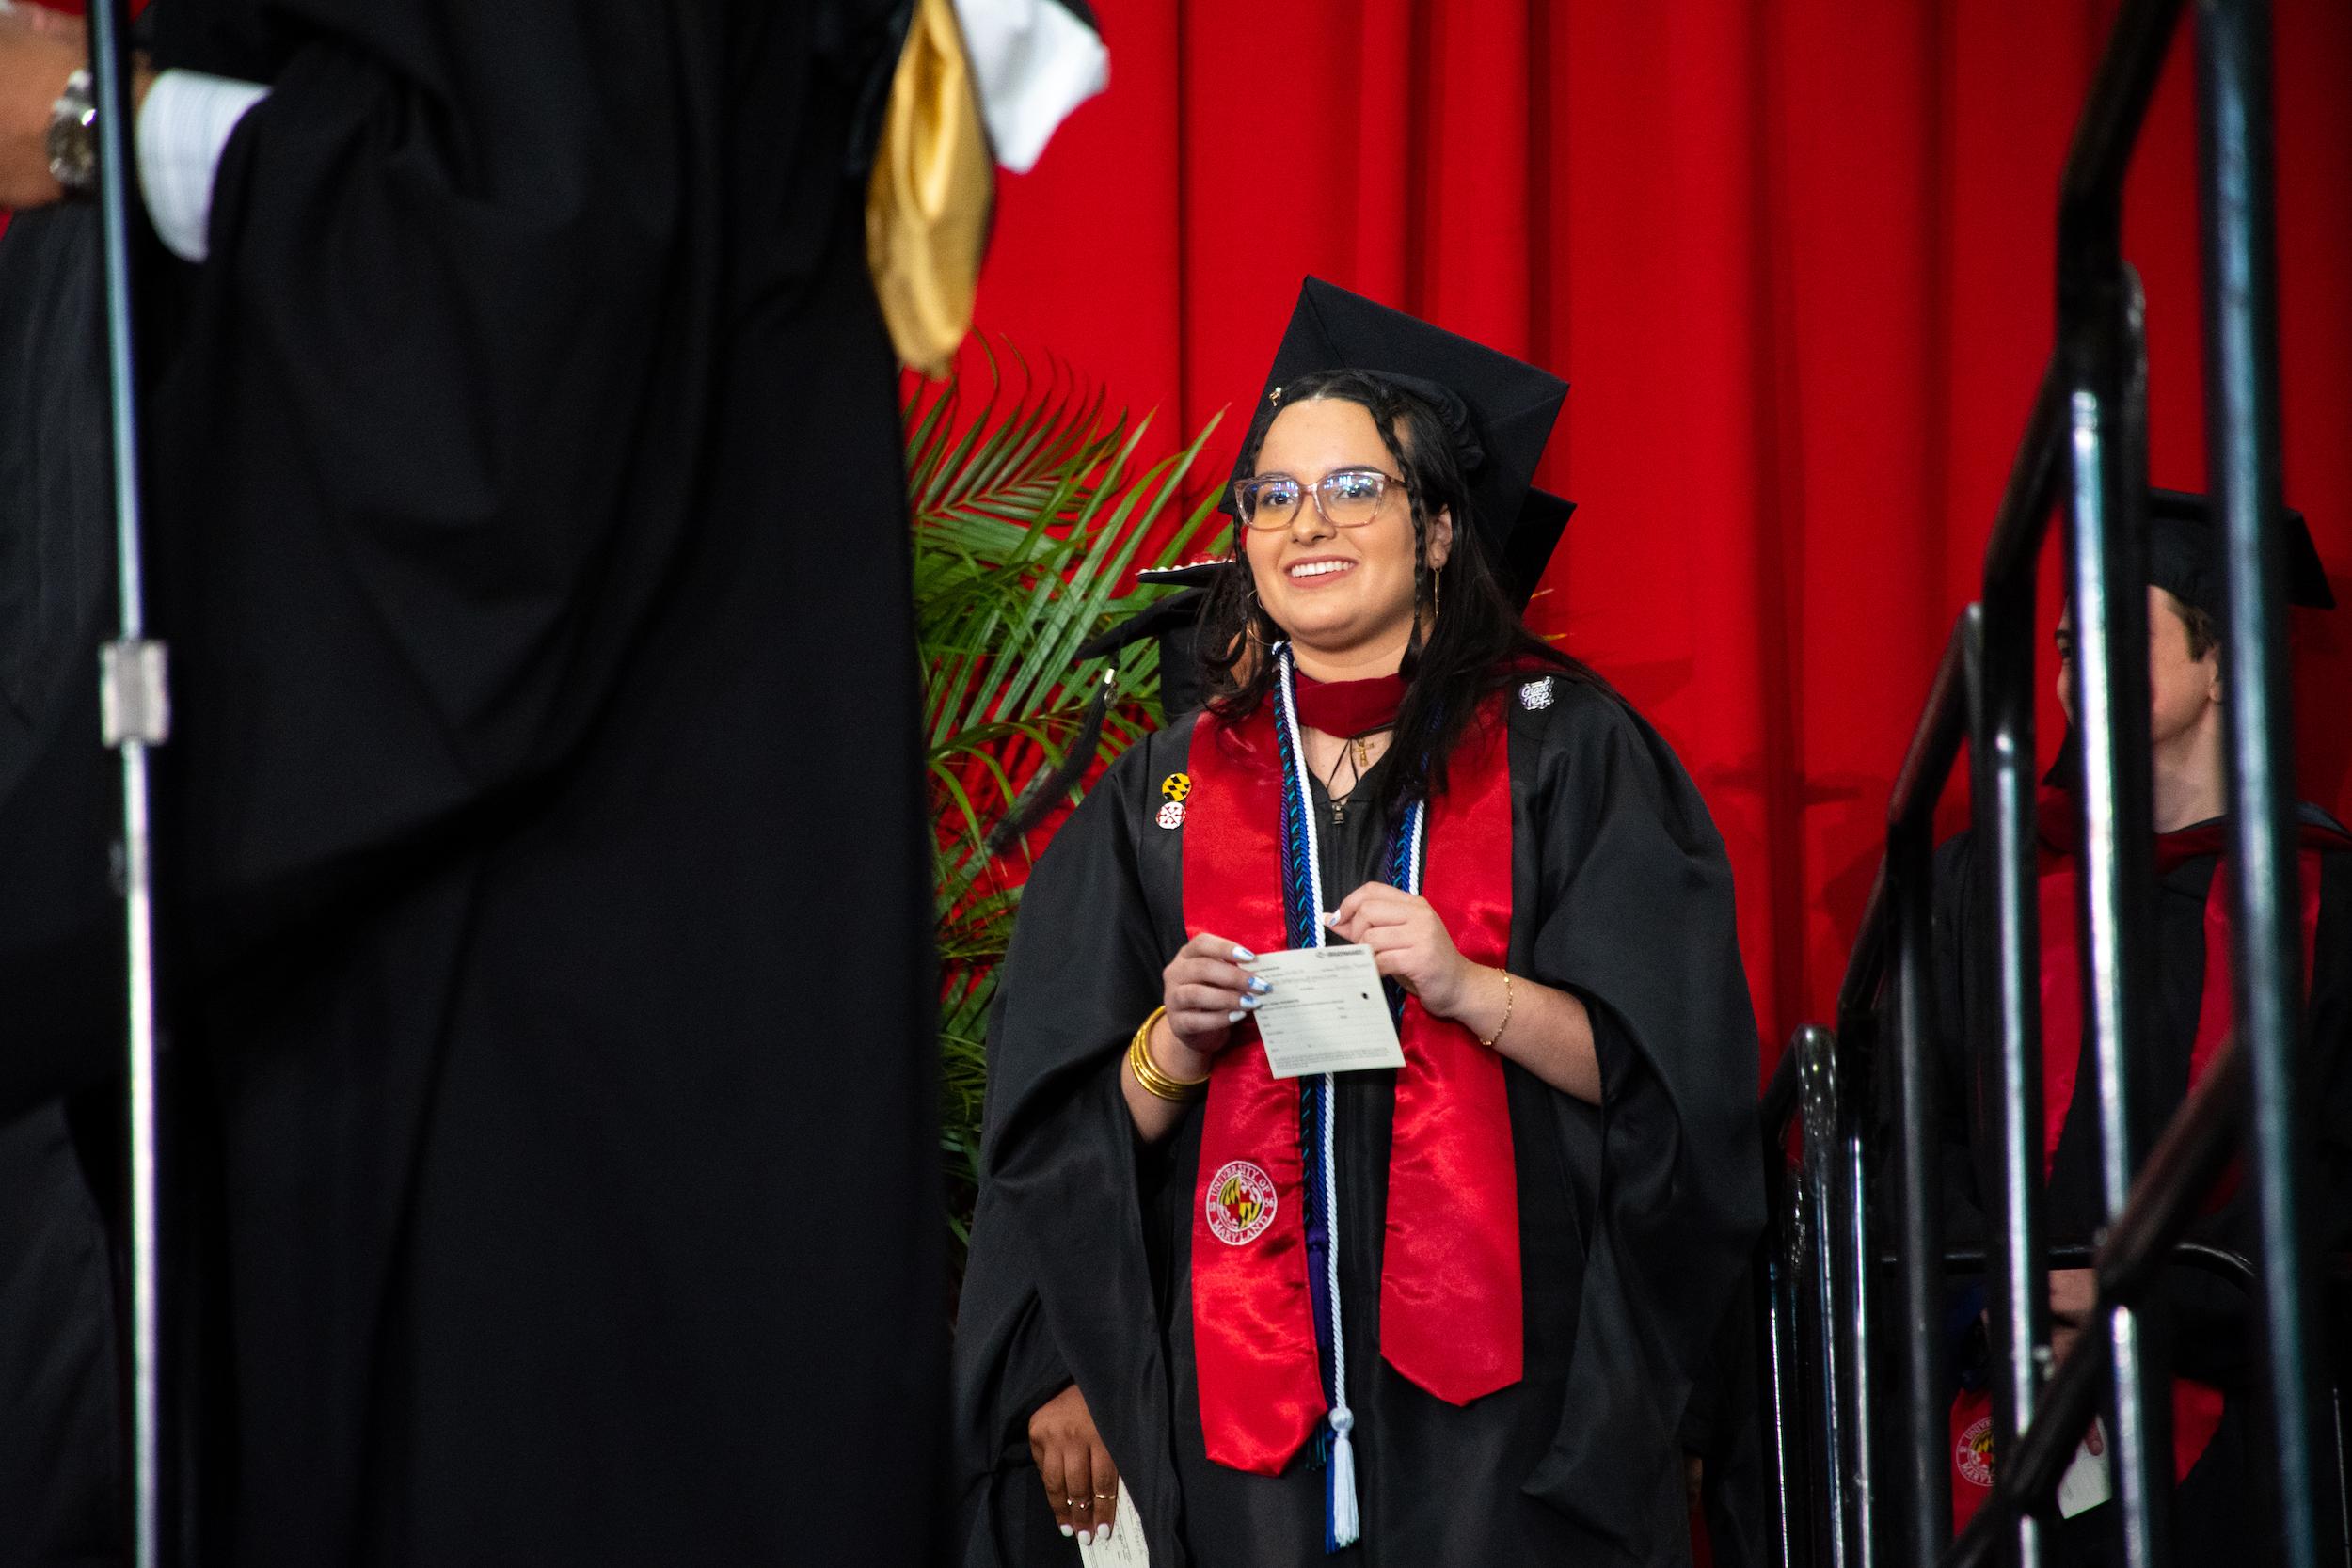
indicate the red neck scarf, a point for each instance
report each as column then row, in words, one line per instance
column 1451, row 1307
column 1350, row 708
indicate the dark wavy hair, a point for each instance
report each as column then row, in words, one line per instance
column 1476, row 644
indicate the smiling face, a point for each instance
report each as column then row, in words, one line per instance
column 1344, row 596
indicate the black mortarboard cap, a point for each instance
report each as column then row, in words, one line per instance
column 1501, row 409
column 1543, row 517
column 2184, row 554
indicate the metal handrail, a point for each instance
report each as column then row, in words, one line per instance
column 2085, row 440
column 2180, row 1170
column 136, row 705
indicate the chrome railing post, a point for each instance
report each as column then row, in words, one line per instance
column 2242, row 462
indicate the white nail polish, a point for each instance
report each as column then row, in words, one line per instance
column 1236, row 1016
column 1067, row 1531
column 1243, row 956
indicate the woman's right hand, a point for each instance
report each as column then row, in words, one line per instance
column 1206, row 991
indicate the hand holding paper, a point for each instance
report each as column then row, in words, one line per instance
column 1326, row 1012
column 1410, row 943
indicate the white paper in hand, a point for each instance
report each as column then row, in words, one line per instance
column 2086, row 1483
column 1126, row 1548
column 1328, row 1012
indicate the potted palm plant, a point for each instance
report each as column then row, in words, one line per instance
column 1031, row 513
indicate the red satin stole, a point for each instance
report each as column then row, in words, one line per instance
column 1451, row 1307
column 2197, row 1408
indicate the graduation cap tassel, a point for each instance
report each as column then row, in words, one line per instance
column 1057, row 781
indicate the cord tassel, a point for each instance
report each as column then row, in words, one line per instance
column 1340, row 1507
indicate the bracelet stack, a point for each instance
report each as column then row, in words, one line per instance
column 1488, row 1043
column 1148, row 1074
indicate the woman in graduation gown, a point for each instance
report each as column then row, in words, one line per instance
column 1448, row 1313
column 2212, row 1336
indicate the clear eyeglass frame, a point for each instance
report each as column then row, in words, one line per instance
column 1342, row 498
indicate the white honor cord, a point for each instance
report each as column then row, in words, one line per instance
column 1345, row 1522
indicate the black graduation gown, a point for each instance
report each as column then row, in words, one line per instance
column 2211, row 1332
column 59, row 1506
column 547, row 888
column 1635, row 1217
column 59, row 1502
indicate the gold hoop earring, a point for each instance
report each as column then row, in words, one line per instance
column 1252, row 613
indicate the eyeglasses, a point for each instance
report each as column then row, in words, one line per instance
column 1345, row 497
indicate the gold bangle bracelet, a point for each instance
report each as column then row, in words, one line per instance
column 1488, row 1043
column 1159, row 1084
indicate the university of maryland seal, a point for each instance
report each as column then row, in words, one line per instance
column 1973, row 1454
column 1241, row 1203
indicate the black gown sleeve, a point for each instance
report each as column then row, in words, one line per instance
column 59, row 794
column 1635, row 916
column 1059, row 1287
column 420, row 442
column 430, row 439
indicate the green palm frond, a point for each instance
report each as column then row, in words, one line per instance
column 1031, row 512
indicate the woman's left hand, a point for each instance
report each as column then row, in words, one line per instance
column 1410, row 943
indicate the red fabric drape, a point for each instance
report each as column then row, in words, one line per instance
column 1796, row 258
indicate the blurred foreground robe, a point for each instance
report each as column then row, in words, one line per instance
column 58, row 1441
column 545, row 887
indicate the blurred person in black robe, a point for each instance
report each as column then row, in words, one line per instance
column 59, row 1506
column 2211, row 1332
column 1153, row 1296
column 544, row 875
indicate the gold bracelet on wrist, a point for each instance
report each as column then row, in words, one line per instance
column 1160, row 1084
column 1488, row 1043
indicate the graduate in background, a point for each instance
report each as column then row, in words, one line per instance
column 545, row 877
column 1446, row 1315
column 2212, row 1339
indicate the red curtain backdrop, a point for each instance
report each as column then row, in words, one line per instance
column 1795, row 257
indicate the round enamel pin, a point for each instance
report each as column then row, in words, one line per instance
column 1172, row 815
column 1241, row 1203
column 1973, row 1453
column 1536, row 693
column 1176, row 786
